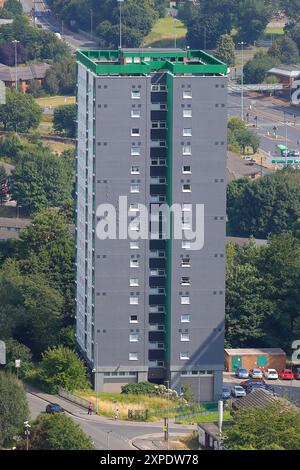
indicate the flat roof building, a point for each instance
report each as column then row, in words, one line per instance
column 152, row 127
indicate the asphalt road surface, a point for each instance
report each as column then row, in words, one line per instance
column 121, row 433
column 47, row 20
column 270, row 113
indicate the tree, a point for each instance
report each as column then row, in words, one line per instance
column 20, row 112
column 61, row 78
column 16, row 350
column 61, row 367
column 271, row 427
column 225, row 50
column 252, row 19
column 13, row 408
column 3, row 177
column 240, row 135
column 285, row 49
column 57, row 432
column 41, row 180
column 266, row 206
column 7, row 54
column 64, row 119
column 292, row 10
column 204, row 31
column 255, row 69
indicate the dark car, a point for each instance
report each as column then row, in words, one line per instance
column 226, row 393
column 246, row 383
column 257, row 385
column 296, row 371
column 54, row 408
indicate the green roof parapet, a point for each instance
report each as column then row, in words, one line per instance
column 145, row 61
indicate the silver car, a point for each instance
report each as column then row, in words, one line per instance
column 237, row 391
column 256, row 374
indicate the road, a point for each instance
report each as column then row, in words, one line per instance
column 286, row 388
column 121, row 432
column 270, row 113
column 47, row 20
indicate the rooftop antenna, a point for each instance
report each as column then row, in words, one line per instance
column 120, row 4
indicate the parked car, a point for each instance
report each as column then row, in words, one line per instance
column 245, row 383
column 296, row 371
column 271, row 374
column 241, row 373
column 259, row 385
column 237, row 391
column 286, row 374
column 225, row 393
column 54, row 408
column 256, row 374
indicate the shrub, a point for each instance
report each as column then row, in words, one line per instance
column 141, row 388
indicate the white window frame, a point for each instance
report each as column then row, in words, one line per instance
column 187, row 132
column 186, row 150
column 133, row 356
column 134, row 134
column 185, row 264
column 185, row 300
column 187, row 94
column 187, row 113
column 186, row 172
column 186, row 188
column 135, row 113
column 133, row 338
column 135, row 151
column 133, row 300
column 135, row 94
column 134, row 282
column 186, row 244
column 135, row 170
column 134, row 245
column 184, row 337
column 134, row 263
column 188, row 283
column 134, row 207
column 184, row 355
column 185, row 318
column 133, row 321
column 135, row 188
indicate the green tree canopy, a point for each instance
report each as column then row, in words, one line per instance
column 225, row 50
column 255, row 69
column 64, row 119
column 62, row 367
column 20, row 112
column 272, row 427
column 57, row 432
column 285, row 50
column 13, row 409
column 60, row 79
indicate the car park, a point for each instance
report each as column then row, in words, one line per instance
column 286, row 374
column 256, row 374
column 54, row 408
column 241, row 373
column 270, row 374
column 226, row 393
column 296, row 371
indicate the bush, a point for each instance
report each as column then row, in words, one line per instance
column 16, row 350
column 62, row 368
column 141, row 388
column 57, row 432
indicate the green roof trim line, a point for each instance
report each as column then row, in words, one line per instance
column 145, row 61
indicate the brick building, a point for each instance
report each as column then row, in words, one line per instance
column 272, row 358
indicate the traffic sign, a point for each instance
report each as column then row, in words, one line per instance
column 17, row 363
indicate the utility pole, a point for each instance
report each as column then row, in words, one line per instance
column 242, row 43
column 120, row 4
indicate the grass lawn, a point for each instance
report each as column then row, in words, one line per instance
column 108, row 402
column 163, row 33
column 55, row 101
column 277, row 31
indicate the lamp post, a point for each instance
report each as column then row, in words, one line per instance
column 92, row 13
column 96, row 376
column 168, row 415
column 120, row 4
column 242, row 43
column 107, row 439
column 15, row 42
column 27, row 433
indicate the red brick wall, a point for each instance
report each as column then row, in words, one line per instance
column 277, row 362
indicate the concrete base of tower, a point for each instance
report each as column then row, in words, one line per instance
column 112, row 381
column 205, row 383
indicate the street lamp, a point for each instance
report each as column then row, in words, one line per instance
column 15, row 42
column 107, row 439
column 96, row 376
column 242, row 43
column 120, row 4
column 91, row 12
column 168, row 415
column 27, row 433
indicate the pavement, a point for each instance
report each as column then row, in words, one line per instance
column 106, row 433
